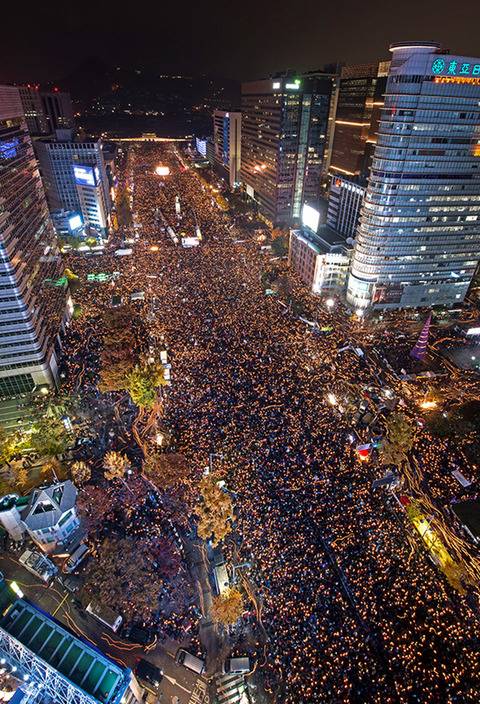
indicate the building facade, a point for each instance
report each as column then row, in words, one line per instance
column 33, row 300
column 285, row 138
column 360, row 99
column 418, row 242
column 75, row 178
column 46, row 112
column 319, row 255
column 48, row 515
column 227, row 131
column 345, row 200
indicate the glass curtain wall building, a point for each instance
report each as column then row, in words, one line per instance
column 33, row 296
column 360, row 99
column 418, row 241
column 227, row 130
column 285, row 138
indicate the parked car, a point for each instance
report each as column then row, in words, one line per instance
column 148, row 673
column 240, row 665
column 191, row 662
column 136, row 634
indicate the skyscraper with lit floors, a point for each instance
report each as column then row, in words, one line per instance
column 33, row 297
column 418, row 241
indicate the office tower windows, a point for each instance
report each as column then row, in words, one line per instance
column 75, row 179
column 360, row 98
column 227, row 130
column 285, row 138
column 33, row 298
column 46, row 112
column 418, row 242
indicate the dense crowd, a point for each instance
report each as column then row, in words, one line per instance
column 353, row 611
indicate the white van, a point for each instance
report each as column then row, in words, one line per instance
column 190, row 661
column 76, row 558
column 240, row 665
column 105, row 615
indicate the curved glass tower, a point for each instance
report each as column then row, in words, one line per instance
column 418, row 241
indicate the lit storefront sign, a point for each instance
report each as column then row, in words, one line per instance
column 454, row 67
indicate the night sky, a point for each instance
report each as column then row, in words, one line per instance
column 238, row 39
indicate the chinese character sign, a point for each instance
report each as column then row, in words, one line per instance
column 454, row 67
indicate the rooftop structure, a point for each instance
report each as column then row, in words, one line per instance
column 63, row 668
column 48, row 515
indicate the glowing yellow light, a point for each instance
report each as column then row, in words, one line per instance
column 343, row 171
column 428, row 405
column 162, row 170
column 14, row 586
column 350, row 123
column 154, row 248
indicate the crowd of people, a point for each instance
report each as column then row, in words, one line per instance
column 353, row 610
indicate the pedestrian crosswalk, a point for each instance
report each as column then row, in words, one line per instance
column 231, row 689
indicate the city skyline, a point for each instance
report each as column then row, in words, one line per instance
column 300, row 36
column 240, row 355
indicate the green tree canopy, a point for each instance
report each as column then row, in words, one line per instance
column 143, row 383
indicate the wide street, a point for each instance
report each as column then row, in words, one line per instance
column 252, row 383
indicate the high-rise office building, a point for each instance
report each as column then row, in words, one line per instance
column 227, row 130
column 285, row 138
column 360, row 99
column 345, row 199
column 75, row 179
column 46, row 112
column 33, row 300
column 418, row 242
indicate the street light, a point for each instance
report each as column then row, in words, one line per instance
column 332, row 399
column 359, row 312
column 329, row 302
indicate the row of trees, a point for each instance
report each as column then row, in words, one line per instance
column 117, row 358
column 169, row 472
column 119, row 368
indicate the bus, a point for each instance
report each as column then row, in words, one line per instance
column 105, row 615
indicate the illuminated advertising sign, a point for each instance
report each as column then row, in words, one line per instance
column 75, row 222
column 84, row 175
column 276, row 85
column 310, row 217
column 8, row 148
column 201, row 146
column 454, row 66
column 293, row 86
